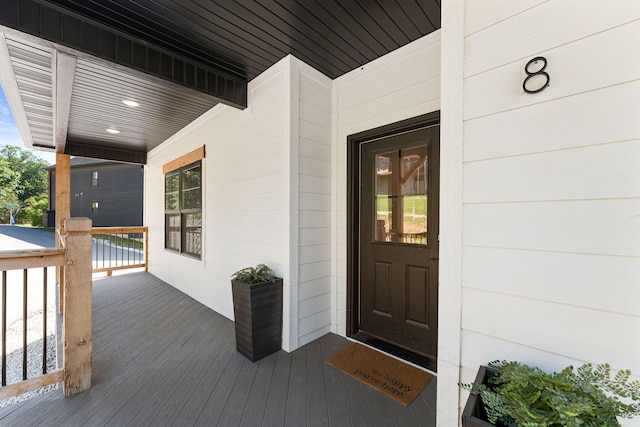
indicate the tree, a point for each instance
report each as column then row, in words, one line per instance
column 34, row 207
column 9, row 180
column 13, row 211
column 23, row 176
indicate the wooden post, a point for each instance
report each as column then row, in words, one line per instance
column 146, row 249
column 63, row 209
column 77, row 314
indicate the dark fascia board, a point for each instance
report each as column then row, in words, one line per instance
column 59, row 25
column 81, row 149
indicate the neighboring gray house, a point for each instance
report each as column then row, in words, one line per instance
column 108, row 192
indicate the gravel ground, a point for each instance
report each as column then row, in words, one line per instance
column 34, row 353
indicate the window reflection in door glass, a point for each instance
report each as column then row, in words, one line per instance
column 401, row 196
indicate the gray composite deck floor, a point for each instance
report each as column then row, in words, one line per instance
column 161, row 358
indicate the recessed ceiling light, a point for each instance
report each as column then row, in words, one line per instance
column 130, row 103
column 113, row 131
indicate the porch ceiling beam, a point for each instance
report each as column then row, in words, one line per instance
column 64, row 69
column 59, row 25
column 12, row 92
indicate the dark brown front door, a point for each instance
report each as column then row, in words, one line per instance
column 398, row 239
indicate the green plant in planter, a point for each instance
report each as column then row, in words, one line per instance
column 521, row 395
column 250, row 275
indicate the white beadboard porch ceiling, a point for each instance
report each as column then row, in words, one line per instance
column 30, row 65
column 97, row 92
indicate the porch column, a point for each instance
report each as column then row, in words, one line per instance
column 63, row 208
column 77, row 328
column 451, row 212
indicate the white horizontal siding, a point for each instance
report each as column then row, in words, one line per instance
column 477, row 349
column 600, row 227
column 243, row 198
column 314, row 236
column 400, row 85
column 551, row 188
column 500, row 88
column 545, row 176
column 314, row 201
column 309, row 326
column 567, row 124
column 574, row 332
column 314, row 185
column 315, row 167
column 548, row 25
column 314, row 204
column 313, row 288
column 480, row 14
column 598, row 282
column 313, row 253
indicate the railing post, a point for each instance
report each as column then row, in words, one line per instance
column 145, row 236
column 77, row 314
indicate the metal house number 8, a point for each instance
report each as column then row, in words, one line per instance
column 531, row 74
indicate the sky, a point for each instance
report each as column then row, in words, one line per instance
column 9, row 133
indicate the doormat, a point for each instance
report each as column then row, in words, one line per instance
column 396, row 379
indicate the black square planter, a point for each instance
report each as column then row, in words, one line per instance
column 474, row 414
column 257, row 309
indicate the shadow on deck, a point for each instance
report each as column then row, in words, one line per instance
column 161, row 358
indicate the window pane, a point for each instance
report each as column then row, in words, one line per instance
column 94, row 178
column 172, row 231
column 385, row 197
column 401, row 196
column 193, row 233
column 191, row 188
column 171, row 192
column 94, row 207
column 414, row 163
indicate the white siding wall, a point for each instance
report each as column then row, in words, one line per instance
column 314, row 202
column 551, row 199
column 266, row 198
column 244, row 194
column 398, row 86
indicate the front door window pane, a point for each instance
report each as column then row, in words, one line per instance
column 386, row 196
column 401, row 196
column 414, row 194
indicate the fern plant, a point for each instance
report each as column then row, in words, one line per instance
column 521, row 395
column 251, row 275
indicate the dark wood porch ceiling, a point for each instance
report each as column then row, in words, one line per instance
column 209, row 49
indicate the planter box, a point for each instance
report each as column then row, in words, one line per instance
column 474, row 414
column 257, row 310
